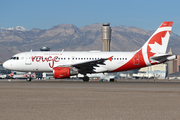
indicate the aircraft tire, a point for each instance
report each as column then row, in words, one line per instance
column 28, row 79
column 86, row 79
column 111, row 80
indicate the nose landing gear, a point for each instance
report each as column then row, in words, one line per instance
column 28, row 77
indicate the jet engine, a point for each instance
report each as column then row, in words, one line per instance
column 64, row 72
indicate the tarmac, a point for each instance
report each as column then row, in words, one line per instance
column 77, row 100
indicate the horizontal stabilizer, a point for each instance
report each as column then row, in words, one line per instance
column 162, row 57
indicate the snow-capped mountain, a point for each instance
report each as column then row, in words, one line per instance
column 19, row 28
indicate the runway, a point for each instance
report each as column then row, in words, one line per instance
column 71, row 100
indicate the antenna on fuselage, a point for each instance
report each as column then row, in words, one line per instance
column 62, row 50
column 44, row 49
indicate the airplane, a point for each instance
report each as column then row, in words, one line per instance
column 7, row 75
column 10, row 75
column 33, row 75
column 20, row 76
column 3, row 76
column 65, row 63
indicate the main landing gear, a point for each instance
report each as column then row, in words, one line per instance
column 85, row 79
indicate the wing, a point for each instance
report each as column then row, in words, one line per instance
column 88, row 66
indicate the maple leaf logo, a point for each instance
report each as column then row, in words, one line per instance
column 158, row 44
column 155, row 47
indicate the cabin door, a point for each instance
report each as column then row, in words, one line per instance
column 28, row 60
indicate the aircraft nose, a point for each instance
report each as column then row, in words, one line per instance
column 6, row 64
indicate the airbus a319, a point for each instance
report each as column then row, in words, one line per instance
column 65, row 64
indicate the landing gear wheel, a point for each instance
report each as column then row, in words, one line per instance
column 28, row 79
column 86, row 79
column 111, row 80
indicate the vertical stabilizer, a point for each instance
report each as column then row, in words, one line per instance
column 157, row 43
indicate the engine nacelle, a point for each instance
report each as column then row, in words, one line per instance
column 64, row 72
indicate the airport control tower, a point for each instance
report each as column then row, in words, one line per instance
column 106, row 36
column 170, row 63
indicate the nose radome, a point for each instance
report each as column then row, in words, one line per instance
column 5, row 64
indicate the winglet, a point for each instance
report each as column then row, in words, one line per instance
column 110, row 58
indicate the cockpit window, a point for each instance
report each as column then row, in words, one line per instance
column 15, row 58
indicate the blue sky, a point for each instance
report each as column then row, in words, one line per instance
column 43, row 14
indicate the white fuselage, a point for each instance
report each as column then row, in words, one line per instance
column 46, row 61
